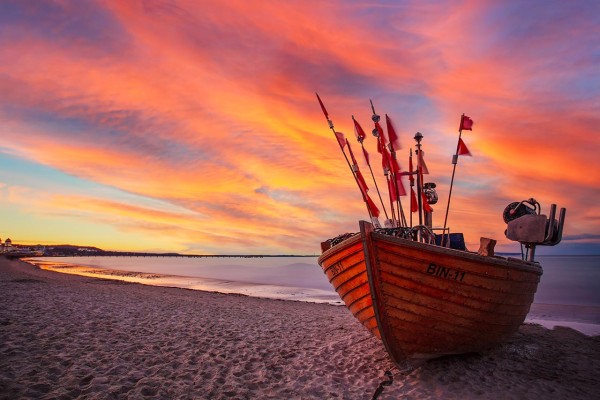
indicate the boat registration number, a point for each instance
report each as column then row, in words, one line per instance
column 336, row 269
column 445, row 272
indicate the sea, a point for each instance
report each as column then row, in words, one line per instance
column 568, row 293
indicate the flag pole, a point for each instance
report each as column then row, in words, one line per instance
column 394, row 167
column 418, row 138
column 381, row 143
column 365, row 195
column 411, row 179
column 360, row 137
column 390, row 175
column 454, row 162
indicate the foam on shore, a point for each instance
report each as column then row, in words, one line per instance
column 585, row 319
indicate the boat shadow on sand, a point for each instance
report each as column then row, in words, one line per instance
column 559, row 361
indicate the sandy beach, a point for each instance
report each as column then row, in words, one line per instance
column 67, row 336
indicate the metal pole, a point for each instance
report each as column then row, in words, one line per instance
column 454, row 161
column 346, row 157
column 418, row 138
column 373, row 176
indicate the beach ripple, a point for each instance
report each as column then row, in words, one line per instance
column 64, row 336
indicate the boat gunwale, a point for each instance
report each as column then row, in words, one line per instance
column 335, row 249
column 500, row 261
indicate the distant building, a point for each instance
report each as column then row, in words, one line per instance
column 7, row 246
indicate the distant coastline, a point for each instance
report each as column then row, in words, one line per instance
column 67, row 250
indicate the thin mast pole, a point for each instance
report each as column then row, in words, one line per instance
column 372, row 175
column 454, row 162
column 418, row 138
column 391, row 175
column 330, row 123
column 412, row 184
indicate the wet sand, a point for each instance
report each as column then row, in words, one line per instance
column 68, row 336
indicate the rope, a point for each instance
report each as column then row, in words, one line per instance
column 388, row 382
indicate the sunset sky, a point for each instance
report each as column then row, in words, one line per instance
column 192, row 126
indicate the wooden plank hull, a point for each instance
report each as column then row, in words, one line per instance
column 344, row 266
column 428, row 301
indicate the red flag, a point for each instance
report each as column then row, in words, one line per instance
column 380, row 133
column 385, row 159
column 351, row 153
column 414, row 206
column 359, row 177
column 395, row 167
column 360, row 133
column 400, row 185
column 462, row 148
column 392, row 133
column 341, row 139
column 392, row 190
column 422, row 164
column 426, row 206
column 361, row 182
column 372, row 207
column 466, row 123
column 366, row 156
column 322, row 106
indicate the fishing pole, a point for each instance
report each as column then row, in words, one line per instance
column 371, row 207
column 393, row 137
column 466, row 123
column 389, row 172
column 360, row 137
column 418, row 138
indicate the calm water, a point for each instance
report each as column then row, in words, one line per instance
column 567, row 280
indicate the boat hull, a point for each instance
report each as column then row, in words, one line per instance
column 344, row 266
column 430, row 301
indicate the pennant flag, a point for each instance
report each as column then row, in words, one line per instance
column 385, row 159
column 466, row 123
column 400, row 185
column 366, row 156
column 341, row 139
column 359, row 176
column 462, row 149
column 395, row 167
column 322, row 106
column 426, row 206
column 392, row 134
column 380, row 133
column 422, row 164
column 380, row 146
column 372, row 207
column 392, row 189
column 360, row 133
column 361, row 182
column 414, row 206
column 351, row 153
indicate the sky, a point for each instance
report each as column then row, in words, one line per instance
column 193, row 126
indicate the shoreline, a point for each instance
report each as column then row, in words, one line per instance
column 71, row 336
column 583, row 318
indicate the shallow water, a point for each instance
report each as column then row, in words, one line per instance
column 289, row 278
column 567, row 280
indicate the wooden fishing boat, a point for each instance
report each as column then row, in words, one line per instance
column 425, row 301
column 422, row 294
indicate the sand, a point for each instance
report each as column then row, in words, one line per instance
column 68, row 336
